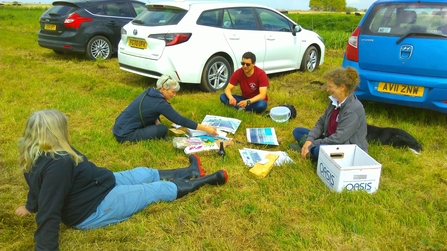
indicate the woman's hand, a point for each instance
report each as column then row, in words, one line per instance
column 305, row 149
column 22, row 211
column 211, row 130
column 208, row 129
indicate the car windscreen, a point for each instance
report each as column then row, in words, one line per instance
column 394, row 19
column 159, row 17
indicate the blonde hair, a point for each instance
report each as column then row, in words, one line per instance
column 339, row 76
column 46, row 132
column 168, row 83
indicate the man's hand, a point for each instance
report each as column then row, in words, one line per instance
column 232, row 101
column 242, row 104
column 22, row 211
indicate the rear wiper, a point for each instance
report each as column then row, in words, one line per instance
column 410, row 33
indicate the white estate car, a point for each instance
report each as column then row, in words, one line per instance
column 203, row 43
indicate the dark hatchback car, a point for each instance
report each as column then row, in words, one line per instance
column 92, row 27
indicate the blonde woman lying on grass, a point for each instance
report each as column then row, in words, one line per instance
column 64, row 186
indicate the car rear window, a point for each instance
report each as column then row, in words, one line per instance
column 398, row 19
column 61, row 10
column 159, row 16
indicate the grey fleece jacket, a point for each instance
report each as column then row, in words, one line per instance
column 351, row 128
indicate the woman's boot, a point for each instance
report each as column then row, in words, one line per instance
column 193, row 171
column 186, row 186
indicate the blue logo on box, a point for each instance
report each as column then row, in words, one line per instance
column 327, row 174
column 359, row 186
column 329, row 178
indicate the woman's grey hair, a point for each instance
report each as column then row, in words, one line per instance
column 168, row 83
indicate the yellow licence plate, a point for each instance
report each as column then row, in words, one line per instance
column 51, row 27
column 140, row 44
column 408, row 90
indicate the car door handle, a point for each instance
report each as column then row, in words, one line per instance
column 111, row 23
column 270, row 38
column 234, row 37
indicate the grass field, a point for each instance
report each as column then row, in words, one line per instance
column 290, row 209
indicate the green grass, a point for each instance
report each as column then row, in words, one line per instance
column 290, row 209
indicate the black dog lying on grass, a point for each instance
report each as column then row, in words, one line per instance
column 393, row 136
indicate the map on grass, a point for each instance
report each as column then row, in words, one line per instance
column 222, row 123
column 265, row 136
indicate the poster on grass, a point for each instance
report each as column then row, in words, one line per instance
column 264, row 136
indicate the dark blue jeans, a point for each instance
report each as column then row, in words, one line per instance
column 257, row 107
column 298, row 133
column 145, row 133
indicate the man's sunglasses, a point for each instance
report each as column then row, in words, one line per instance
column 246, row 64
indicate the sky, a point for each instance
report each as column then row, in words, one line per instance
column 276, row 4
column 295, row 4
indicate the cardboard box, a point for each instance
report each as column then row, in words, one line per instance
column 348, row 167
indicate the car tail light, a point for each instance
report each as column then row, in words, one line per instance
column 172, row 38
column 74, row 20
column 352, row 50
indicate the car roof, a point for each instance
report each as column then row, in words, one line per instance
column 88, row 2
column 186, row 5
column 409, row 1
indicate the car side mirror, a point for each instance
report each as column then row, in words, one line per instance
column 296, row 29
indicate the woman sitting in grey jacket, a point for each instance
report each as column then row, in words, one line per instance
column 343, row 122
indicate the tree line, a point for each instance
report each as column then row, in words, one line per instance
column 330, row 5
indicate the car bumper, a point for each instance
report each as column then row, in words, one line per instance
column 67, row 42
column 434, row 96
column 145, row 67
column 179, row 66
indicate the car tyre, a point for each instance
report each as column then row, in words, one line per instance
column 99, row 47
column 311, row 59
column 216, row 74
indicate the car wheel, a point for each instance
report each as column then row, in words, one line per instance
column 58, row 52
column 310, row 60
column 216, row 74
column 99, row 47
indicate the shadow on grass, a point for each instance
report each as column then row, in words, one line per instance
column 398, row 114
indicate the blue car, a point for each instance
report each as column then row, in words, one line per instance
column 400, row 51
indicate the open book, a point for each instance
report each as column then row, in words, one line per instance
column 221, row 123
